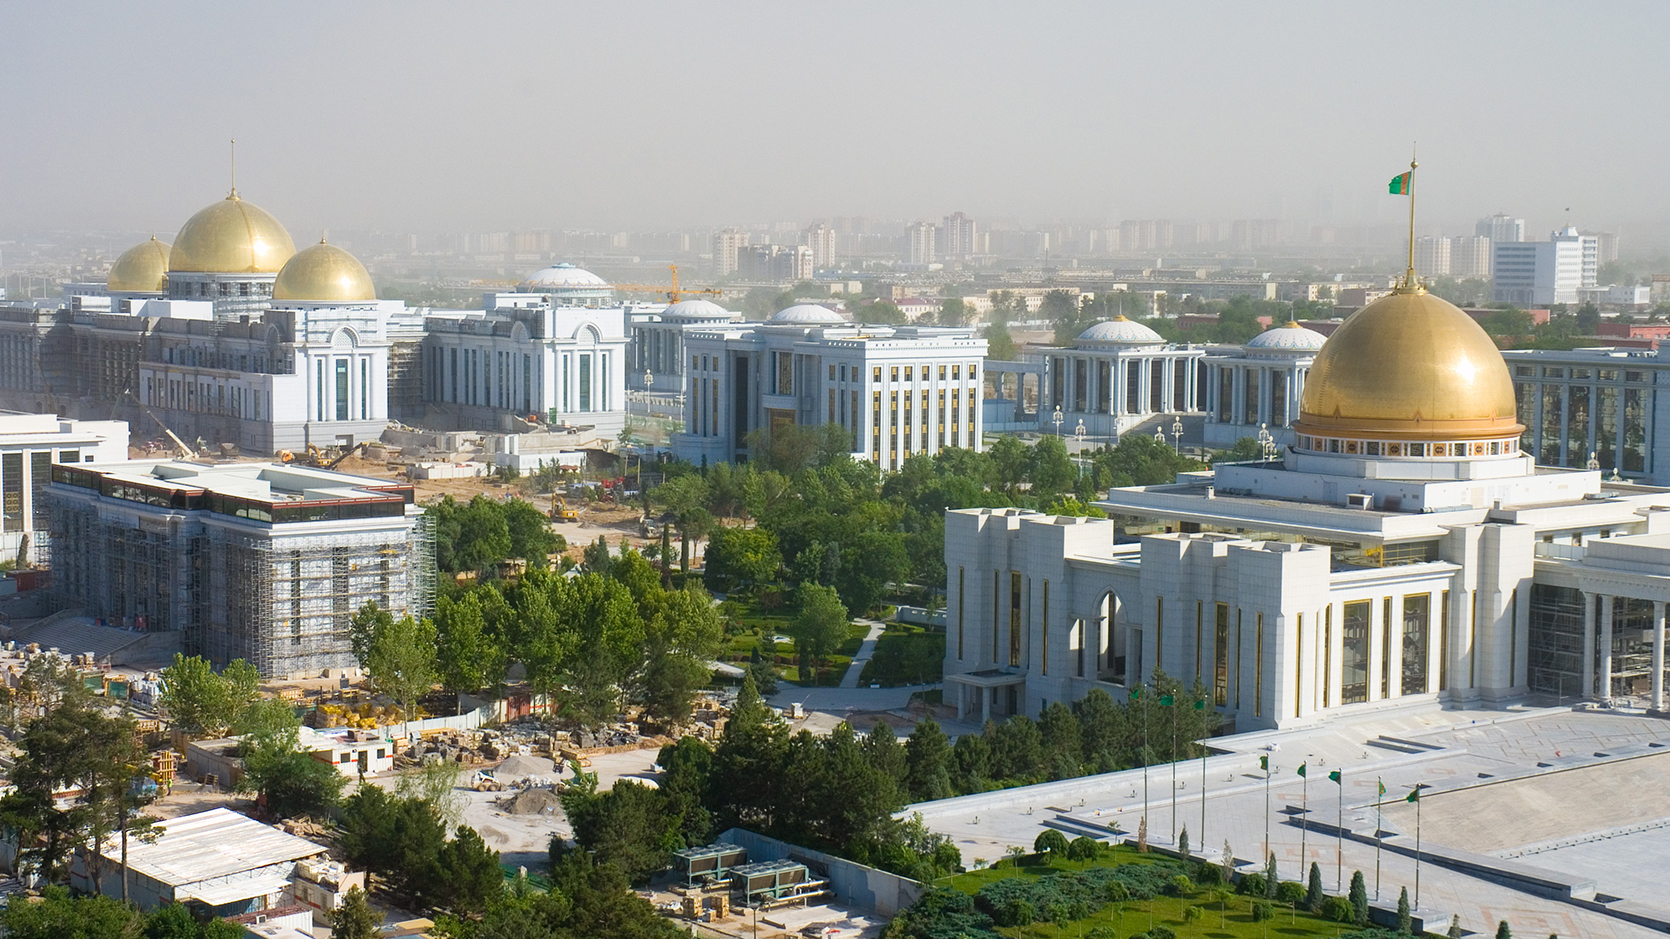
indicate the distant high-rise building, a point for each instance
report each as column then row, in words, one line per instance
column 1145, row 234
column 726, row 244
column 921, row 243
column 1432, row 257
column 958, row 237
column 1588, row 253
column 1539, row 273
column 821, row 239
column 1255, row 232
column 1606, row 243
column 1470, row 256
column 1500, row 228
column 778, row 264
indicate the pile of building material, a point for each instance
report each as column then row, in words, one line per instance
column 532, row 802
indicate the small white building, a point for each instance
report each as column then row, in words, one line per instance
column 218, row 862
column 29, row 445
column 1258, row 385
column 1117, row 375
column 898, row 390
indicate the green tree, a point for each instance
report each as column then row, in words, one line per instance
column 60, row 916
column 1313, row 889
column 288, row 780
column 749, row 555
column 1051, row 842
column 354, row 919
column 882, row 312
column 1083, row 848
column 952, row 312
column 471, row 876
column 627, row 826
column 1502, row 930
column 1403, row 918
column 1183, row 844
column 531, row 537
column 468, row 654
column 401, row 660
column 472, row 536
column 683, row 632
column 822, row 623
column 1271, row 881
column 1245, row 449
column 1358, row 895
column 928, row 762
column 1455, row 926
column 203, row 704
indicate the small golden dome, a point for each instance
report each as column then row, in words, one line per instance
column 142, row 268
column 1409, row 366
column 324, row 273
column 231, row 237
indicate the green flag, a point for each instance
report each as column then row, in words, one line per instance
column 1301, row 769
column 1167, row 700
column 1382, row 785
column 1264, row 763
column 1399, row 186
column 1414, row 796
column 1335, row 777
column 1200, row 705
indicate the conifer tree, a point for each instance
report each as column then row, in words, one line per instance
column 1313, row 890
column 1359, row 898
column 1403, row 918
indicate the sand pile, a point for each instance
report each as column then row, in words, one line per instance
column 519, row 766
column 532, row 802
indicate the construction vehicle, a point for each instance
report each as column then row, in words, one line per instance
column 560, row 512
column 181, row 450
column 485, row 781
column 314, row 456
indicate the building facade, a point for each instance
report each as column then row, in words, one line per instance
column 657, row 342
column 898, row 390
column 1540, row 273
column 1402, row 552
column 1258, row 386
column 1117, row 375
column 921, row 245
column 1602, row 404
column 265, row 562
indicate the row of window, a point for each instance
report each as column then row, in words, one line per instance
column 1405, row 448
column 1578, row 374
column 205, row 397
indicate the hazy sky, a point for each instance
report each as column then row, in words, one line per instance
column 482, row 116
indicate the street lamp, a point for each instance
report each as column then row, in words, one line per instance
column 1593, row 465
column 1058, row 420
column 1177, row 434
column 1078, row 457
column 1266, row 442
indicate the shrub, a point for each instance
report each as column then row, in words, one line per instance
column 1338, row 909
column 1290, row 893
column 1252, row 885
column 1017, row 913
column 1209, row 875
column 1193, row 913
column 1262, row 911
column 1101, row 932
column 1083, row 848
column 1162, row 932
column 1179, row 885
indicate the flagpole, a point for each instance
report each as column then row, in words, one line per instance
column 1174, row 840
column 1144, row 768
column 1379, row 797
column 1410, row 275
column 1266, row 806
column 1202, row 835
column 1304, row 820
column 1417, row 846
column 1339, row 836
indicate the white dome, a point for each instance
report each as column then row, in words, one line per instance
column 807, row 314
column 1289, row 338
column 564, row 276
column 697, row 309
column 1120, row 331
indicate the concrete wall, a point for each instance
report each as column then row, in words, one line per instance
column 853, row 883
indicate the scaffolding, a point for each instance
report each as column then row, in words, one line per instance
column 1557, row 651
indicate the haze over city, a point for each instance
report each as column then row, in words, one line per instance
column 433, row 117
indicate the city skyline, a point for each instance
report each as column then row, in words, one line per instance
column 519, row 117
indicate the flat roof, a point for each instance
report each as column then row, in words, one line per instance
column 216, row 843
column 274, row 482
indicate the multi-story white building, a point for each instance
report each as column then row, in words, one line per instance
column 523, row 356
column 1257, row 386
column 1432, row 255
column 1402, row 553
column 1118, row 374
column 820, row 238
column 726, row 244
column 267, row 562
column 958, row 237
column 1469, row 256
column 898, row 390
column 657, row 349
column 29, row 446
column 921, row 243
column 1537, row 273
column 1500, row 227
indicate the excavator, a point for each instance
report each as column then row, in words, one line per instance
column 560, row 512
column 314, row 456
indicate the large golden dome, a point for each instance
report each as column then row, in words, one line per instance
column 1409, row 366
column 324, row 273
column 231, row 237
column 142, row 268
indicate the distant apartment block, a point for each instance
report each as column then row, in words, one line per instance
column 1432, row 256
column 820, row 239
column 1499, row 228
column 777, row 264
column 921, row 243
column 958, row 237
column 726, row 245
column 1470, row 256
column 1539, row 273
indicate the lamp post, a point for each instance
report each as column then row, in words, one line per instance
column 1177, row 434
column 1078, row 455
column 1593, row 465
column 1057, row 420
column 1266, row 442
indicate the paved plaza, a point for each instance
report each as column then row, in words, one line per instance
column 1525, row 806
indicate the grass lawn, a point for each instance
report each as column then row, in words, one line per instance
column 1137, row 916
column 905, row 655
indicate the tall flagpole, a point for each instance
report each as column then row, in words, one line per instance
column 1202, row 835
column 1417, row 794
column 1266, row 761
column 1174, row 840
column 1304, row 819
column 1409, row 276
column 1379, row 797
column 1339, row 832
column 1145, row 752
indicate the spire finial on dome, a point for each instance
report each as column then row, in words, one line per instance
column 1405, row 184
column 234, row 193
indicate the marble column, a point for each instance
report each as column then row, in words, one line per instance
column 1588, row 645
column 1606, row 649
column 985, row 705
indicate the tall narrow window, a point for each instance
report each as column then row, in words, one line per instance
column 1413, row 643
column 959, row 613
column 1240, row 653
column 1258, row 667
column 1299, row 667
column 1386, row 648
column 1444, row 641
column 1044, row 657
column 365, row 389
column 996, row 593
column 1354, row 645
column 1327, row 653
column 1159, row 632
column 341, row 389
column 1220, row 657
column 585, row 381
column 1014, row 618
column 1200, row 629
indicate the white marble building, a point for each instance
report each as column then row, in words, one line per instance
column 1117, row 375
column 1258, row 385
column 1402, row 552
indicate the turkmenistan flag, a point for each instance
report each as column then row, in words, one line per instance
column 1335, row 777
column 1414, row 796
column 1167, row 700
column 1382, row 786
column 1136, row 692
column 1400, row 183
column 1264, row 763
column 1301, row 769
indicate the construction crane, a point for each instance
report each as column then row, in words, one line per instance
column 181, row 450
column 672, row 292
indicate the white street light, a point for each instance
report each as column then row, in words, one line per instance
column 1177, row 434
column 1058, row 420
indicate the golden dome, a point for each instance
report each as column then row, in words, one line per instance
column 324, row 273
column 142, row 268
column 231, row 237
column 1409, row 366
